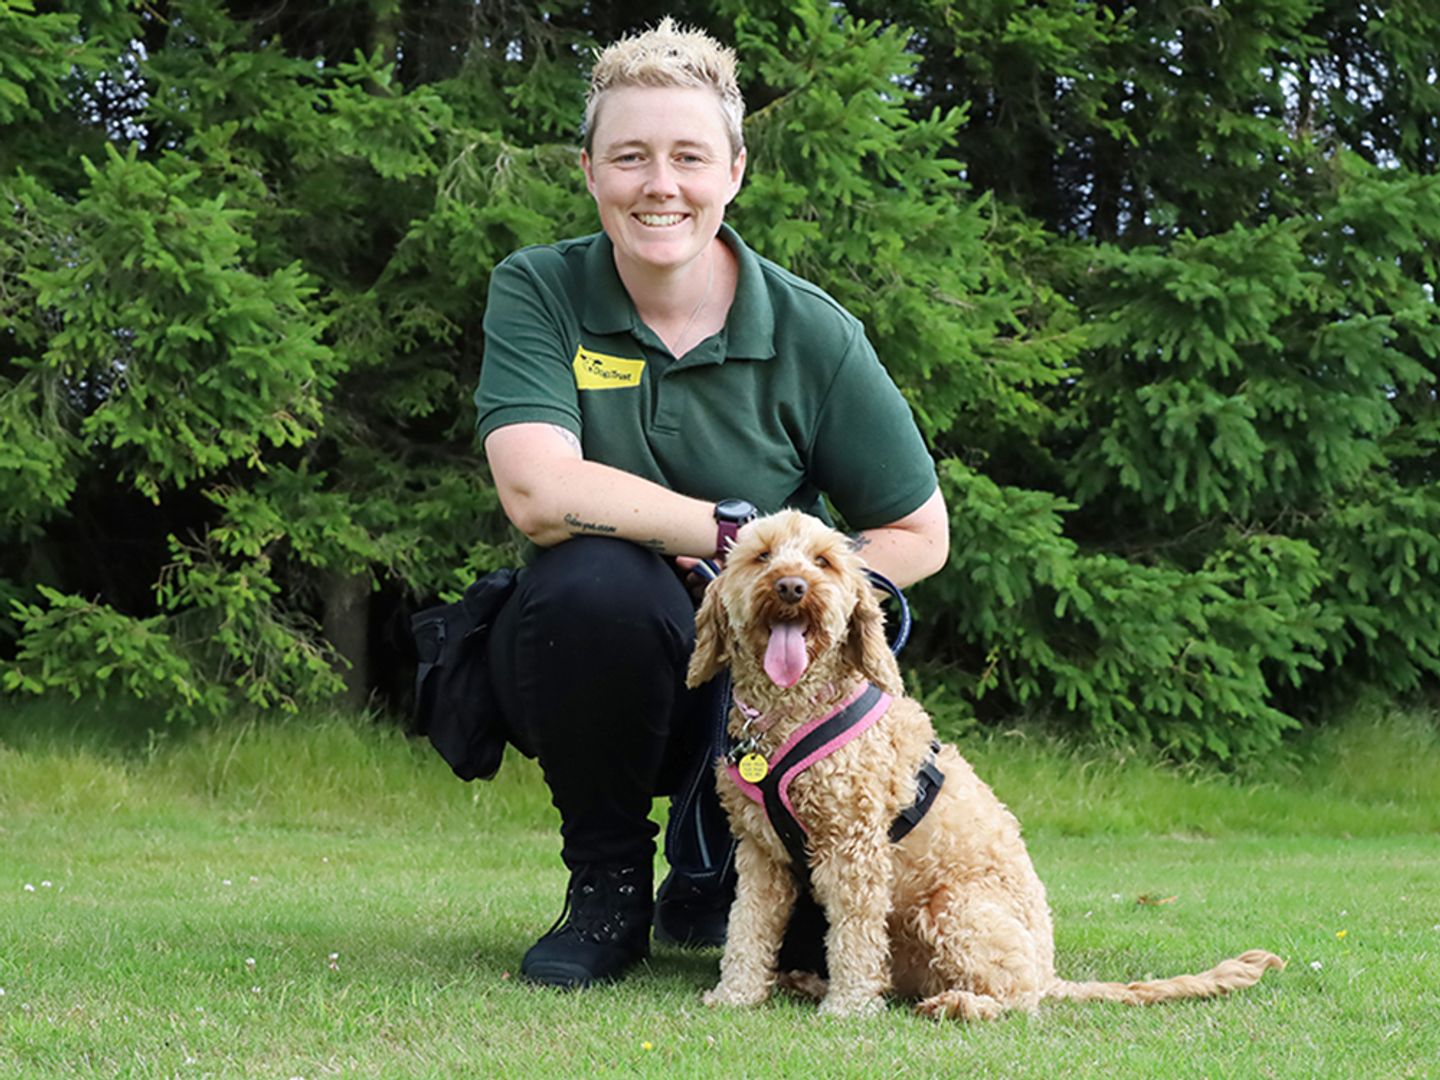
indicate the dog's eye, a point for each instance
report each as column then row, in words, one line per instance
column 764, row 556
column 821, row 561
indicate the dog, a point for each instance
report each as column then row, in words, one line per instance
column 953, row 915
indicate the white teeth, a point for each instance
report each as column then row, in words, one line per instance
column 660, row 219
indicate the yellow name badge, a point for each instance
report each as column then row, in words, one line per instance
column 596, row 371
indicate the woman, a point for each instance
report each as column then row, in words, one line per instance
column 644, row 391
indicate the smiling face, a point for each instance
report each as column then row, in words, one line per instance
column 661, row 173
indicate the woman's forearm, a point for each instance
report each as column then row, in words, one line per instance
column 585, row 498
column 551, row 494
column 911, row 549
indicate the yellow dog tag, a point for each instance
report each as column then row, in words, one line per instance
column 754, row 768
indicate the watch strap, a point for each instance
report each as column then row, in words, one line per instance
column 725, row 533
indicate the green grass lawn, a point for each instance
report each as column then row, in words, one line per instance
column 323, row 898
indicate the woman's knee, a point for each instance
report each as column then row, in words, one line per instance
column 599, row 579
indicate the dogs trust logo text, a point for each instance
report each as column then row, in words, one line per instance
column 596, row 371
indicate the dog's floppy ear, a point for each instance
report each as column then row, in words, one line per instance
column 712, row 635
column 866, row 648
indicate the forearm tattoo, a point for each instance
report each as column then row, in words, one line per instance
column 859, row 542
column 581, row 528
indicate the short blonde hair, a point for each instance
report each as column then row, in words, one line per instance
column 668, row 55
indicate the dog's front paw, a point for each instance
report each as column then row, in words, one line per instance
column 851, row 1004
column 734, row 998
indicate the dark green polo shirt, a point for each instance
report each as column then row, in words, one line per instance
column 787, row 401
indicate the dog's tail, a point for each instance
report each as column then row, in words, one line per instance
column 1236, row 974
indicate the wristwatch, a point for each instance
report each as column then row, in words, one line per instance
column 730, row 514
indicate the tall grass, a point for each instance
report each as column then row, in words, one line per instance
column 1374, row 774
column 323, row 769
column 1378, row 773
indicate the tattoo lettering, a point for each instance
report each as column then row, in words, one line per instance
column 578, row 527
column 657, row 546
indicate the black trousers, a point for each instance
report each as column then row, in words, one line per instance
column 589, row 658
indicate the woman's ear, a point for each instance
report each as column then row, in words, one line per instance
column 737, row 174
column 866, row 648
column 712, row 632
column 588, row 167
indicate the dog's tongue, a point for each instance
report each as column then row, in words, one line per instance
column 785, row 657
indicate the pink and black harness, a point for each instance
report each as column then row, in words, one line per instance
column 816, row 740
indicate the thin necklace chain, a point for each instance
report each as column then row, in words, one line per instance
column 709, row 281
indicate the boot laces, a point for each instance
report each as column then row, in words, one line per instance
column 601, row 905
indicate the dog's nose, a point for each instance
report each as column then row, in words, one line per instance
column 791, row 590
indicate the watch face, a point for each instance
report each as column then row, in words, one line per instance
column 737, row 510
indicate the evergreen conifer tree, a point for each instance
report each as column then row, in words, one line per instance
column 1157, row 279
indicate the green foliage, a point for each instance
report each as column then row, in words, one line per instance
column 36, row 52
column 1157, row 279
column 216, row 306
column 82, row 647
column 1237, row 374
column 231, row 610
column 1135, row 650
column 36, row 452
column 1382, row 546
column 193, row 360
column 846, row 188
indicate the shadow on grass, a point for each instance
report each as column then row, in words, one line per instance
column 669, row 969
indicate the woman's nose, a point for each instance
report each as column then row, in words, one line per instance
column 660, row 178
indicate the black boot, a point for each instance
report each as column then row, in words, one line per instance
column 693, row 911
column 603, row 930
